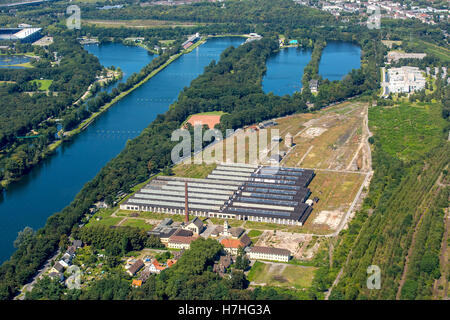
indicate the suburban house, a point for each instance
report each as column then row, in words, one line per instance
column 58, row 268
column 136, row 283
column 171, row 262
column 223, row 264
column 269, row 253
column 135, row 267
column 156, row 267
column 77, row 244
column 56, row 275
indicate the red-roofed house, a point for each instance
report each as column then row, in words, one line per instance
column 232, row 245
column 155, row 267
column 171, row 262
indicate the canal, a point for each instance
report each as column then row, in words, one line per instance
column 53, row 184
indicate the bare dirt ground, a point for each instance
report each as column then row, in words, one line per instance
column 330, row 218
column 297, row 243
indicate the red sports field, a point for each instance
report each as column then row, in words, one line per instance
column 209, row 120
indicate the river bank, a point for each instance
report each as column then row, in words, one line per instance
column 52, row 184
column 68, row 135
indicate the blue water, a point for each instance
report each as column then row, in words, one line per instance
column 53, row 184
column 338, row 59
column 8, row 61
column 129, row 59
column 285, row 71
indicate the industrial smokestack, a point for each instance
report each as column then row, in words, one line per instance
column 186, row 209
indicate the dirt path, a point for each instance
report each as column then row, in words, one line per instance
column 305, row 155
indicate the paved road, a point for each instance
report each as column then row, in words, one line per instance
column 29, row 286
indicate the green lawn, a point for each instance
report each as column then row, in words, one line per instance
column 151, row 215
column 43, row 85
column 254, row 233
column 109, row 221
column 105, row 218
column 273, row 275
column 138, row 223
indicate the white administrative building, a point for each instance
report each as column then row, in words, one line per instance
column 405, row 80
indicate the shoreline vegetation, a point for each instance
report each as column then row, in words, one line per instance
column 85, row 123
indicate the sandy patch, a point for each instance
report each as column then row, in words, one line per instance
column 330, row 218
column 313, row 132
column 294, row 242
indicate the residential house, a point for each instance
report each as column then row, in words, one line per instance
column 56, row 275
column 135, row 267
column 136, row 283
column 171, row 262
column 77, row 244
column 223, row 264
column 58, row 268
column 156, row 267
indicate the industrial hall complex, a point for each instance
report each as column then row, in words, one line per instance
column 232, row 191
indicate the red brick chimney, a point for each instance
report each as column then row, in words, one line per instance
column 186, row 209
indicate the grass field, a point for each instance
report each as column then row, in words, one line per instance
column 408, row 130
column 151, row 215
column 43, row 85
column 441, row 52
column 282, row 275
column 254, row 233
column 137, row 223
column 193, row 170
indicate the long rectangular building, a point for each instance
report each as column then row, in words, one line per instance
column 232, row 191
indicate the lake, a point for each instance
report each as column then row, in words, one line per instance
column 338, row 59
column 53, row 184
column 11, row 61
column 129, row 59
column 285, row 69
